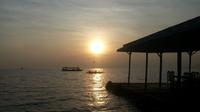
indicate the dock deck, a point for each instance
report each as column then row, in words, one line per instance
column 156, row 99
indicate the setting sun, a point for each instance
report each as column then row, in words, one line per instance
column 97, row 47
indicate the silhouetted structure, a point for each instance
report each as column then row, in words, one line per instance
column 184, row 89
column 180, row 38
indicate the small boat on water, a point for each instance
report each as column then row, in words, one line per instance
column 71, row 69
column 95, row 71
column 21, row 68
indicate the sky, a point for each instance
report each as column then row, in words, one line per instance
column 56, row 33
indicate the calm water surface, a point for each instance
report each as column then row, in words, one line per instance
column 57, row 91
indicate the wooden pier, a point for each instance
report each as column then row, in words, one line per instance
column 156, row 99
column 179, row 39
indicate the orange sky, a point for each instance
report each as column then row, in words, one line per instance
column 51, row 34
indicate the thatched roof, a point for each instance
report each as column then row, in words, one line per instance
column 182, row 37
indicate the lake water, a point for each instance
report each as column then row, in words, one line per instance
column 57, row 91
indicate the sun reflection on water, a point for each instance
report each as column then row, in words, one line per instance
column 97, row 77
column 99, row 95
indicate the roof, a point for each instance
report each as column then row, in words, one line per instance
column 182, row 37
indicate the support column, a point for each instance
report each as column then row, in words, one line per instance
column 146, row 70
column 190, row 60
column 160, row 70
column 179, row 64
column 129, row 67
column 190, row 53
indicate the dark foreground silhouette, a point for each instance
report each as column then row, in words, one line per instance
column 155, row 99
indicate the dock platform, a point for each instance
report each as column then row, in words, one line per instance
column 155, row 99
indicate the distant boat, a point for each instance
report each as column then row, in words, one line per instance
column 21, row 68
column 95, row 71
column 71, row 69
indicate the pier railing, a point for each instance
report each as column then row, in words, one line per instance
column 188, row 80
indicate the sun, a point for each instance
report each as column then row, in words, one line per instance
column 97, row 47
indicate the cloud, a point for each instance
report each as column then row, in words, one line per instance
column 61, row 24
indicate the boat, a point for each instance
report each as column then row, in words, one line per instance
column 71, row 69
column 21, row 68
column 95, row 71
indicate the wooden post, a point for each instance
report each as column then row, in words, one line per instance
column 160, row 71
column 179, row 59
column 190, row 60
column 129, row 67
column 190, row 53
column 146, row 70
